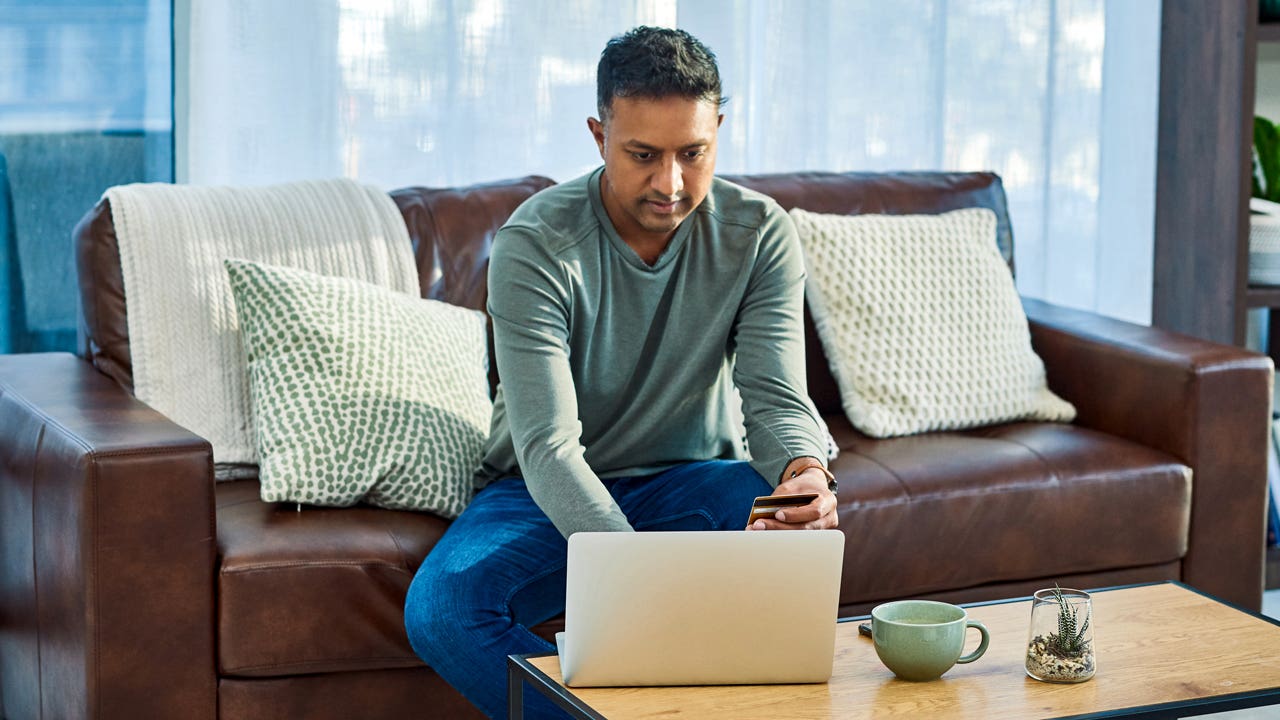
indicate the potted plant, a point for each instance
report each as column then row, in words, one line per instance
column 1060, row 648
column 1264, row 205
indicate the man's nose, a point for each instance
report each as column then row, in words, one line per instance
column 668, row 179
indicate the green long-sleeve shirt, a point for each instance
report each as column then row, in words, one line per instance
column 611, row 367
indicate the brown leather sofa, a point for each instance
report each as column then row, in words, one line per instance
column 132, row 586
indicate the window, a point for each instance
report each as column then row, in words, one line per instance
column 85, row 103
column 452, row 92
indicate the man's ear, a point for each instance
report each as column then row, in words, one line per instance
column 720, row 120
column 597, row 132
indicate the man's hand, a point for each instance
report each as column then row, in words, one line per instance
column 817, row 515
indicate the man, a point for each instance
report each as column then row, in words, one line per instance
column 626, row 305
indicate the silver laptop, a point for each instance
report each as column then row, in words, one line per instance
column 701, row 608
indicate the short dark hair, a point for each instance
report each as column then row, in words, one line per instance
column 652, row 62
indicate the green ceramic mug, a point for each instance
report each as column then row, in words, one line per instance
column 921, row 639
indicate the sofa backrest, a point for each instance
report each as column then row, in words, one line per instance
column 452, row 231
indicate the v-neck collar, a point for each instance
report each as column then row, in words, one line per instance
column 631, row 256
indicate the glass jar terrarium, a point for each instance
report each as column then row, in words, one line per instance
column 1060, row 643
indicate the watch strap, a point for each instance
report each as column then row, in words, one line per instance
column 807, row 463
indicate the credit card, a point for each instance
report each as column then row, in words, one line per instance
column 766, row 506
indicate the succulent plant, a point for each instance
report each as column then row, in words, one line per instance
column 1070, row 640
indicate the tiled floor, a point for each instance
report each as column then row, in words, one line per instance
column 1270, row 608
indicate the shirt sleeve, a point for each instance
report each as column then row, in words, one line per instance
column 530, row 304
column 769, row 341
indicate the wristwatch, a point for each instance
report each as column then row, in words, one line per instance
column 831, row 479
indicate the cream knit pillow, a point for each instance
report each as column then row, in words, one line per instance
column 921, row 322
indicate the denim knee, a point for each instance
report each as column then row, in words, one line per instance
column 430, row 616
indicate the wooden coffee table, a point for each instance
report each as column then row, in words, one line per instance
column 1164, row 651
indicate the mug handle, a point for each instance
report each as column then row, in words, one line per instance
column 982, row 646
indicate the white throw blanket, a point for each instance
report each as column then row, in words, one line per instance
column 184, row 336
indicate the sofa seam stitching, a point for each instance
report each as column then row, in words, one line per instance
column 84, row 445
column 302, row 663
column 404, row 557
column 97, row 283
column 901, row 483
column 45, row 418
column 1013, row 487
column 35, row 569
column 148, row 452
column 1053, row 470
column 93, row 583
column 308, row 565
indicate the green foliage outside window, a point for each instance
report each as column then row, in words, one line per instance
column 1266, row 160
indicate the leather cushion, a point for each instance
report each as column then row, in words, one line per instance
column 945, row 511
column 320, row 590
column 323, row 590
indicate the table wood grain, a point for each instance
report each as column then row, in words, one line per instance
column 1155, row 644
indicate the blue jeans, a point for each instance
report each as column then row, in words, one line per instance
column 500, row 569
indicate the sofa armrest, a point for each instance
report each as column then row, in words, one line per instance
column 106, row 550
column 1209, row 405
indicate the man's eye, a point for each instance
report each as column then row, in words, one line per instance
column 642, row 156
column 694, row 154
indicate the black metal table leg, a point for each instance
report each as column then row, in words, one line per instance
column 515, row 692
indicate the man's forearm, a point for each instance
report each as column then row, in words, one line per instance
column 570, row 494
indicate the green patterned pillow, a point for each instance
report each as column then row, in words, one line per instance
column 361, row 393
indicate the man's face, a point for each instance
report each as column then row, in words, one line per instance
column 659, row 157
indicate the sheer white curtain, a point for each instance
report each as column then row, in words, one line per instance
column 450, row 92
